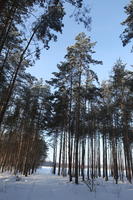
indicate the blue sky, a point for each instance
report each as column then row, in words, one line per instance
column 105, row 30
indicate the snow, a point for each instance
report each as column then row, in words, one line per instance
column 45, row 186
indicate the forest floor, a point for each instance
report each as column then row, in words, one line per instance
column 44, row 186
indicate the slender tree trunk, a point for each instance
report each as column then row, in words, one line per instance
column 83, row 160
column 55, row 153
column 59, row 167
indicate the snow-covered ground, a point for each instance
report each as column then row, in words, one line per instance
column 44, row 186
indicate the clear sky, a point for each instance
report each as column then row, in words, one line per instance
column 105, row 29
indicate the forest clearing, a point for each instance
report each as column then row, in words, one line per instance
column 66, row 99
column 44, row 185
